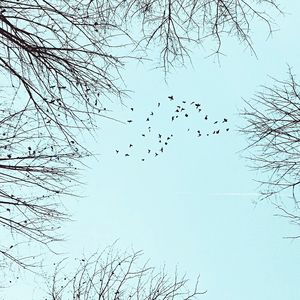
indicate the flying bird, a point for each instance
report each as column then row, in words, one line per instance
column 171, row 97
column 129, row 121
column 225, row 120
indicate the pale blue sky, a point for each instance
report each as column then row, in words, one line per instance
column 193, row 205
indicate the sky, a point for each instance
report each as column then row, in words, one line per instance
column 193, row 206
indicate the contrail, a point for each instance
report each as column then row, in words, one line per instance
column 234, row 194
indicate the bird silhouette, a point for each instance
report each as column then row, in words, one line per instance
column 171, row 97
column 147, row 120
column 117, row 151
column 130, row 145
column 156, row 154
column 131, row 108
column 129, row 121
column 206, row 117
column 225, row 120
column 126, row 154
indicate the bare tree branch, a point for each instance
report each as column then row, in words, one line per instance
column 111, row 275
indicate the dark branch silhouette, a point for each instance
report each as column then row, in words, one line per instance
column 118, row 276
column 272, row 128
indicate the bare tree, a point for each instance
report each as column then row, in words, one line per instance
column 273, row 131
column 34, row 173
column 112, row 275
column 176, row 26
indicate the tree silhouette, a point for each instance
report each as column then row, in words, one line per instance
column 272, row 128
column 34, row 171
column 174, row 26
column 111, row 275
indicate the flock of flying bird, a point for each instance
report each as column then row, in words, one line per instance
column 183, row 109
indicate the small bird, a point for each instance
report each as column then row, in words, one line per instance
column 149, row 150
column 143, row 159
column 161, row 149
column 225, row 120
column 149, row 128
column 218, row 131
column 147, row 120
column 117, row 151
column 171, row 97
column 129, row 121
column 206, row 117
column 158, row 104
column 151, row 114
column 130, row 145
column 227, row 129
column 159, row 135
column 173, row 118
column 215, row 122
column 131, row 108
column 183, row 101
column 143, row 135
column 186, row 115
column 156, row 154
column 193, row 102
column 126, row 154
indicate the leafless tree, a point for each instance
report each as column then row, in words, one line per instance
column 112, row 275
column 34, row 173
column 174, row 27
column 273, row 130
